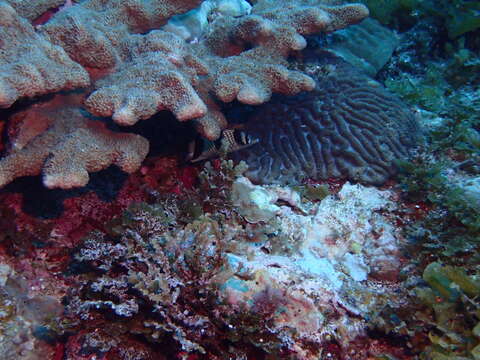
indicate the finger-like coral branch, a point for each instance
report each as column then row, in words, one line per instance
column 66, row 146
column 30, row 64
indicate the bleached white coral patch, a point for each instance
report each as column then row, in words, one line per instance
column 345, row 231
column 339, row 245
column 254, row 202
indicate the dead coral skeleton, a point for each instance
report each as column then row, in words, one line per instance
column 217, row 284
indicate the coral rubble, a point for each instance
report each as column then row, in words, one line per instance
column 288, row 284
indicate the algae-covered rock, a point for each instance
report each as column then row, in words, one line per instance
column 462, row 17
column 368, row 45
column 435, row 276
column 253, row 202
column 383, row 10
column 453, row 328
column 459, row 16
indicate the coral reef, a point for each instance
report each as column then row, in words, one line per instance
column 31, row 65
column 443, row 175
column 348, row 127
column 33, row 10
column 184, row 261
column 64, row 145
column 200, row 278
column 35, row 252
column 239, row 59
column 140, row 63
column 439, row 186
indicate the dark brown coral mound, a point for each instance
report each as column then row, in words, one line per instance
column 349, row 127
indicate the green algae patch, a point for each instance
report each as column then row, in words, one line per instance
column 385, row 10
column 438, row 281
column 458, row 16
column 454, row 323
column 463, row 18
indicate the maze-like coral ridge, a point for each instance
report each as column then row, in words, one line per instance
column 137, row 67
column 349, row 127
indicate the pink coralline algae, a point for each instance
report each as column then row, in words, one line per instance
column 129, row 66
column 35, row 254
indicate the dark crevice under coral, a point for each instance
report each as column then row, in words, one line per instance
column 166, row 135
column 45, row 203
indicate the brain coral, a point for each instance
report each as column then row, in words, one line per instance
column 130, row 66
column 348, row 127
column 240, row 58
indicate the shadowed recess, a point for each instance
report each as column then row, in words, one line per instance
column 45, row 203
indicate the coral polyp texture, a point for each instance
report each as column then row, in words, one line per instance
column 135, row 58
column 234, row 58
column 348, row 127
column 31, row 10
column 64, row 145
column 30, row 64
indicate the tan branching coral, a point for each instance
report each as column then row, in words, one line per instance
column 159, row 74
column 64, row 145
column 152, row 74
column 30, row 65
column 139, row 67
column 31, row 10
column 93, row 33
